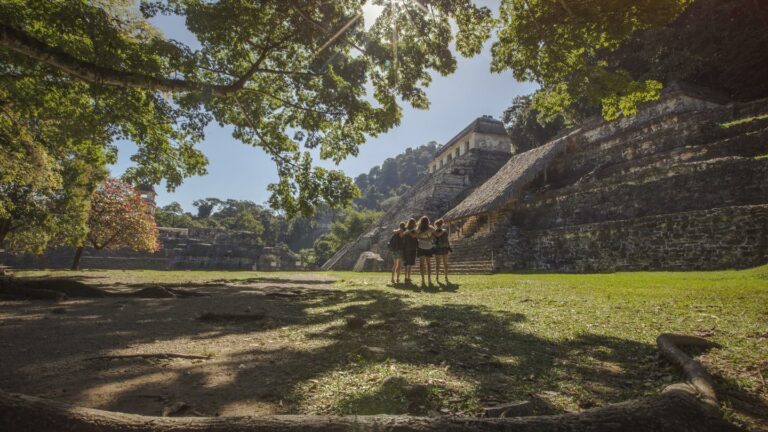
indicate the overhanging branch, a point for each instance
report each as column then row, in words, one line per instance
column 25, row 44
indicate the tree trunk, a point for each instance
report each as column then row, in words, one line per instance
column 5, row 226
column 689, row 407
column 78, row 255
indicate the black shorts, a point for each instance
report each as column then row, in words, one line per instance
column 425, row 252
column 409, row 257
column 443, row 251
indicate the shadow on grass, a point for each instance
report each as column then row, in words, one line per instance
column 751, row 407
column 428, row 288
column 305, row 339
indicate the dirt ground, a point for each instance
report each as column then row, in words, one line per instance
column 348, row 344
column 216, row 355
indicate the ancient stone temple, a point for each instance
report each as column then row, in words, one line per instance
column 467, row 160
column 484, row 133
column 681, row 185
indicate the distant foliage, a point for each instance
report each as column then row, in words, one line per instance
column 316, row 238
column 236, row 215
column 351, row 226
column 521, row 121
column 270, row 227
column 308, row 257
column 380, row 187
column 118, row 219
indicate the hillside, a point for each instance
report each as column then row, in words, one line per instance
column 384, row 183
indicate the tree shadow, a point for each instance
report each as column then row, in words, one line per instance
column 266, row 365
column 752, row 409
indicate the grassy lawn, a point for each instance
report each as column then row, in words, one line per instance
column 563, row 342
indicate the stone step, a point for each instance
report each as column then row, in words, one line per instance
column 660, row 126
column 750, row 144
column 623, row 147
column 740, row 181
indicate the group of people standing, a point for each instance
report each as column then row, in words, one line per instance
column 420, row 240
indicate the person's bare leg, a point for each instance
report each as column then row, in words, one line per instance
column 394, row 269
column 429, row 269
column 422, row 264
column 399, row 265
column 437, row 268
column 445, row 266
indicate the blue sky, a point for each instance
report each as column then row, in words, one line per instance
column 238, row 171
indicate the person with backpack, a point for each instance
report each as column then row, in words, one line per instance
column 442, row 249
column 410, row 244
column 395, row 246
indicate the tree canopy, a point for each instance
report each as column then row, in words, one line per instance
column 288, row 76
column 562, row 45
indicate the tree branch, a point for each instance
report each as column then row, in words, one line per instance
column 25, row 44
column 267, row 146
column 294, row 105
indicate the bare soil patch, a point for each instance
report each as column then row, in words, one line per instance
column 210, row 347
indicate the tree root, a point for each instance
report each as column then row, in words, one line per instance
column 58, row 289
column 690, row 406
column 158, row 291
column 156, row 356
column 230, row 318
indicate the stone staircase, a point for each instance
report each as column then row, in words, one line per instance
column 475, row 254
column 471, row 267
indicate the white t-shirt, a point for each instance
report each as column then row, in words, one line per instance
column 425, row 239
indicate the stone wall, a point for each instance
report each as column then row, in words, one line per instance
column 181, row 249
column 728, row 237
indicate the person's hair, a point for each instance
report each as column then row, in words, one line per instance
column 411, row 223
column 439, row 223
column 402, row 225
column 424, row 223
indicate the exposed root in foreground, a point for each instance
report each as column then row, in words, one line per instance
column 690, row 406
column 230, row 318
column 61, row 289
column 156, row 356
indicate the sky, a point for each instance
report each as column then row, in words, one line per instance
column 238, row 171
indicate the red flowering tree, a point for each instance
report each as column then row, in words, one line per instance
column 118, row 219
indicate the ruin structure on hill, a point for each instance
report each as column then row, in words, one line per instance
column 675, row 187
column 181, row 249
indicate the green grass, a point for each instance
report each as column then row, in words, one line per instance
column 565, row 342
column 744, row 120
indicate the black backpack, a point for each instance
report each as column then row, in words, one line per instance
column 395, row 243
